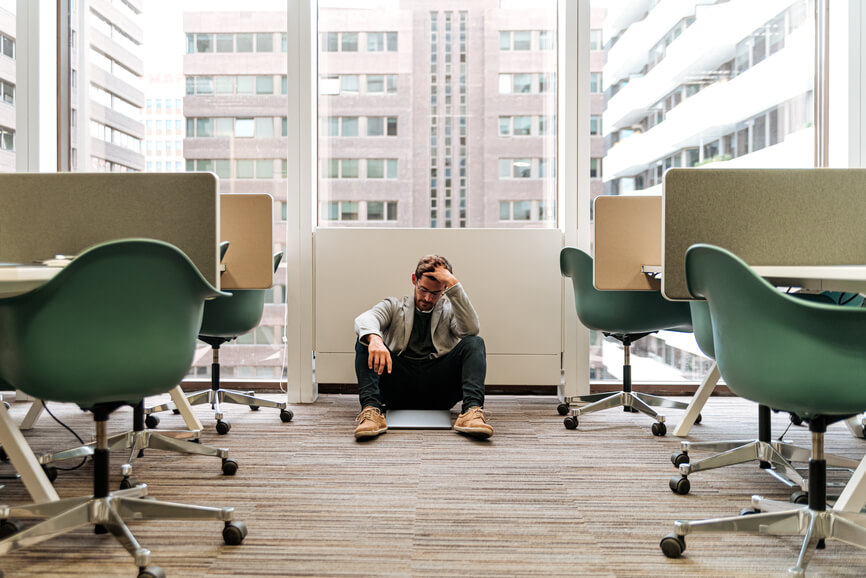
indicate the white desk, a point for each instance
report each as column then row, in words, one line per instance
column 23, row 278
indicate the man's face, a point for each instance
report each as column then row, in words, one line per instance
column 427, row 292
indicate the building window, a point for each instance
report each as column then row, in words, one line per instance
column 375, row 41
column 7, row 46
column 595, row 125
column 595, row 168
column 7, row 92
column 7, row 139
column 595, row 82
column 265, row 42
column 595, row 40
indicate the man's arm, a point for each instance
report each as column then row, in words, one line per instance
column 369, row 327
column 465, row 320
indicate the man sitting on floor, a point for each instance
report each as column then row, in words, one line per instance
column 422, row 352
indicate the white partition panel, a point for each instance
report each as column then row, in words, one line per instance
column 511, row 276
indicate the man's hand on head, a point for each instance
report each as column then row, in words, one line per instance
column 379, row 358
column 443, row 275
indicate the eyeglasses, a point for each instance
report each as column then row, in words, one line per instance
column 424, row 291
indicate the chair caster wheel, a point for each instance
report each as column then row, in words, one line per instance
column 628, row 409
column 151, row 421
column 678, row 458
column 562, row 409
column 230, row 466
column 3, row 456
column 151, row 572
column 749, row 511
column 673, row 546
column 223, row 427
column 800, row 497
column 128, row 482
column 286, row 415
column 570, row 422
column 254, row 408
column 659, row 429
column 234, row 533
column 699, row 419
column 680, row 485
column 50, row 472
column 9, row 527
column 175, row 411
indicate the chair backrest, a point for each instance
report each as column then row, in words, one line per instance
column 242, row 312
column 117, row 324
column 620, row 312
column 703, row 327
column 791, row 354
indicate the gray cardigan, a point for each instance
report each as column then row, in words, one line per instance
column 391, row 319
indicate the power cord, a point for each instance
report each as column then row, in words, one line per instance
column 70, row 430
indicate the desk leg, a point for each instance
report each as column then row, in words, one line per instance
column 853, row 497
column 698, row 401
column 25, row 462
column 182, row 404
column 36, row 409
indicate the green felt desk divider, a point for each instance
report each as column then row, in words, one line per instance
column 45, row 214
column 765, row 216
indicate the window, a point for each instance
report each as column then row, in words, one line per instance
column 203, row 43
column 391, row 42
column 545, row 40
column 522, row 125
column 349, row 211
column 522, row 83
column 7, row 92
column 595, row 125
column 375, row 41
column 245, row 42
column 595, row 82
column 265, row 42
column 244, row 128
column 349, row 126
column 595, row 168
column 225, row 43
column 7, row 46
column 265, row 127
column 375, row 126
column 264, row 85
column 349, row 84
column 595, row 42
column 330, row 42
column 349, row 42
column 375, row 83
column 522, row 40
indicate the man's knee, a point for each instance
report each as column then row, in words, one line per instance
column 473, row 343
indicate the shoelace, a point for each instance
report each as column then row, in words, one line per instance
column 477, row 413
column 368, row 413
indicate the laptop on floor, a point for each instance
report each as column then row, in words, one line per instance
column 418, row 419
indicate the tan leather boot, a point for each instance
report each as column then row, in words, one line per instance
column 371, row 423
column 474, row 423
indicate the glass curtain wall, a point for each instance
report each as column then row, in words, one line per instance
column 436, row 114
column 725, row 84
column 8, row 85
column 173, row 86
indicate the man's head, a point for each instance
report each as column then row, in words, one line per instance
column 428, row 289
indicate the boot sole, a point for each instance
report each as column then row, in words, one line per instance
column 475, row 432
column 370, row 434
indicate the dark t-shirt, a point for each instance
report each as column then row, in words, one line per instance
column 420, row 344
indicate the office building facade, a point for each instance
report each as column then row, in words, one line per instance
column 7, row 91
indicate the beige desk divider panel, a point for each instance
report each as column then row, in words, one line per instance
column 628, row 234
column 765, row 216
column 45, row 214
column 246, row 222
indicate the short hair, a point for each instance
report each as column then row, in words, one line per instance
column 428, row 264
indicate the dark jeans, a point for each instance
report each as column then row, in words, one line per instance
column 427, row 383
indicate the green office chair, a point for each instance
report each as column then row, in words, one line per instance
column 117, row 324
column 225, row 320
column 626, row 316
column 794, row 355
column 773, row 456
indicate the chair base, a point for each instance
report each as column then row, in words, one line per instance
column 216, row 397
column 138, row 441
column 629, row 400
column 110, row 513
column 774, row 457
column 777, row 518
